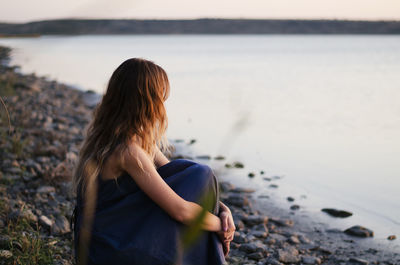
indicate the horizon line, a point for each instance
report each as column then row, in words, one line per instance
column 202, row 18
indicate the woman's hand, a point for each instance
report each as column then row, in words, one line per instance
column 228, row 227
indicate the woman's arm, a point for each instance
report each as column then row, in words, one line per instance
column 160, row 159
column 138, row 164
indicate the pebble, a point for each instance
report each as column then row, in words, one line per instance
column 45, row 221
column 252, row 220
column 289, row 255
column 239, row 238
column 391, row 237
column 46, row 189
column 294, row 207
column 60, row 226
column 256, row 256
column 6, row 254
column 337, row 213
column 237, row 200
column 248, row 247
column 282, row 222
column 310, row 260
column 238, row 165
column 359, row 231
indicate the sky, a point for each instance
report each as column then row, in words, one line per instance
column 24, row 11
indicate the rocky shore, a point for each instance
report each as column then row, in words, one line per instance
column 38, row 152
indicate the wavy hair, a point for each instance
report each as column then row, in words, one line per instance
column 132, row 107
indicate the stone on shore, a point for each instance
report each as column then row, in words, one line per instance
column 289, row 255
column 337, row 213
column 359, row 231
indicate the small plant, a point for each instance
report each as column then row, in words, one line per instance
column 26, row 244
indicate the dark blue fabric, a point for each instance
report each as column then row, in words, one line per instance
column 129, row 228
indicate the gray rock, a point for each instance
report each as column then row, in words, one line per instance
column 310, row 260
column 252, row 220
column 259, row 234
column 255, row 256
column 239, row 238
column 291, row 199
column 337, row 213
column 272, row 261
column 45, row 221
column 248, row 248
column 359, row 231
column 6, row 254
column 295, row 207
column 277, row 237
column 226, row 186
column 294, row 240
column 46, row 189
column 60, row 226
column 289, row 255
column 282, row 222
column 238, row 200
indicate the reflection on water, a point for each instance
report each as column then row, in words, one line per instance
column 322, row 110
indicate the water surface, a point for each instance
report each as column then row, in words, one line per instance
column 322, row 111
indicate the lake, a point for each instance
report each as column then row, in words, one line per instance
column 320, row 111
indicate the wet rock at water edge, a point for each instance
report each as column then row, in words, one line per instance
column 243, row 190
column 219, row 158
column 226, row 186
column 238, row 165
column 359, row 231
column 204, row 157
column 337, row 213
column 391, row 237
column 237, row 200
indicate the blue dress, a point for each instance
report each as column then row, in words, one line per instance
column 129, row 228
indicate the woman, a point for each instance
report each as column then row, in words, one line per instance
column 134, row 206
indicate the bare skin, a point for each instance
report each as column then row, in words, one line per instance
column 161, row 193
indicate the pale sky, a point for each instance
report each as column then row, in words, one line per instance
column 29, row 10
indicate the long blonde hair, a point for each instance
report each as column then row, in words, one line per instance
column 132, row 106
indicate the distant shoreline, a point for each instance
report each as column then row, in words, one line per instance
column 197, row 26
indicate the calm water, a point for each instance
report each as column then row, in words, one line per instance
column 321, row 111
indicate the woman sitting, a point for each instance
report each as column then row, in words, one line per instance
column 134, row 206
